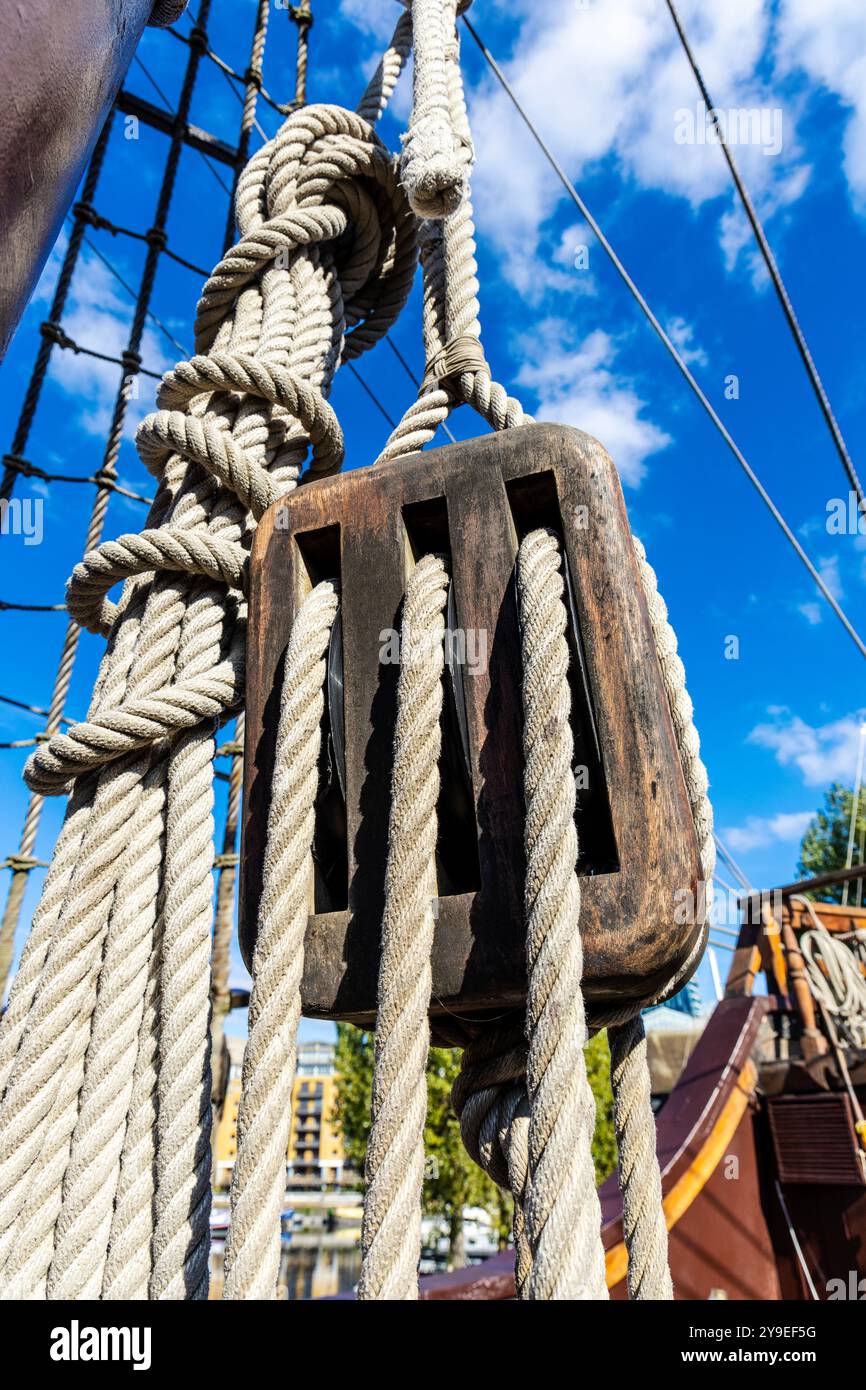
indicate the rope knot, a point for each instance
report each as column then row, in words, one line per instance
column 489, row 1097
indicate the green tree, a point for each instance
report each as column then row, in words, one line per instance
column 824, row 846
column 604, row 1140
column 452, row 1180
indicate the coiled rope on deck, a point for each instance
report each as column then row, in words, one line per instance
column 835, row 975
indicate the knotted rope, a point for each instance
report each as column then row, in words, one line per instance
column 434, row 167
column 391, row 1231
column 456, row 370
column 104, row 1150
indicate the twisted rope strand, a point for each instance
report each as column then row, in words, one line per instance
column 259, row 1175
column 391, row 1229
column 563, row 1216
column 640, row 1183
column 231, row 434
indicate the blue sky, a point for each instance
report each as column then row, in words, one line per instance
column 604, row 80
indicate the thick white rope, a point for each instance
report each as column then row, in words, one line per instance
column 433, row 170
column 233, row 429
column 644, row 1222
column 456, row 367
column 391, row 1230
column 489, row 1084
column 264, row 1117
column 640, row 1184
column 563, row 1216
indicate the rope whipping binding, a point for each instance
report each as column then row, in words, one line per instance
column 127, row 1216
column 120, row 1206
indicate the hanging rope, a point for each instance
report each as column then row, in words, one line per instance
column 302, row 17
column 104, row 1048
column 563, row 1217
column 433, row 168
column 259, row 1174
column 391, row 1231
column 490, row 1096
column 233, row 429
column 457, row 371
column 640, row 1184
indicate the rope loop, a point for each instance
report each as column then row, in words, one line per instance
column 323, row 265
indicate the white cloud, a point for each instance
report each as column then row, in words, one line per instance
column 610, row 80
column 812, row 612
column 98, row 316
column 374, row 17
column 827, row 42
column 575, row 384
column 822, row 754
column 682, row 335
column 828, row 568
column 759, row 831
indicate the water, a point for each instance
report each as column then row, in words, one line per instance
column 315, row 1266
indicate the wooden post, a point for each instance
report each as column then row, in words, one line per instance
column 814, row 1042
column 60, row 69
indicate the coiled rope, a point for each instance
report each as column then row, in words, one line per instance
column 104, row 1146
column 104, row 1135
column 835, row 976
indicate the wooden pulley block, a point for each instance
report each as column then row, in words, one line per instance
column 473, row 502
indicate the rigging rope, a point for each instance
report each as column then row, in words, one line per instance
column 259, row 1174
column 104, row 1047
column 391, row 1231
column 274, row 320
column 772, row 267
column 561, row 1207
column 669, row 345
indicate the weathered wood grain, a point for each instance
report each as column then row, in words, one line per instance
column 475, row 500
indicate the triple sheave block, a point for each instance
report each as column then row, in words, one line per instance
column 638, row 859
